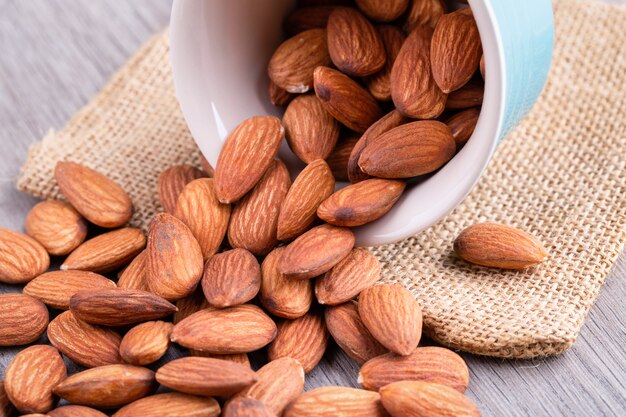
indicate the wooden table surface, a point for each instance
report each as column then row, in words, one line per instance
column 56, row 54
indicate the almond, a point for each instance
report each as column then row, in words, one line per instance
column 345, row 325
column 303, row 339
column 310, row 130
column 424, row 12
column 246, row 154
column 425, row 399
column 22, row 258
column 118, row 306
column 109, row 386
column 392, row 316
column 354, row 273
column 31, row 376
column 292, row 65
column 482, row 66
column 193, row 303
column 470, row 95
column 254, row 221
column 382, row 11
column 134, row 275
column 57, row 226
column 6, row 408
column 84, row 343
column 171, row 183
column 207, row 218
column 75, row 411
column 23, row 319
column 336, row 401
column 241, row 358
column 55, row 288
column 462, row 125
column 205, row 376
column 101, row 200
column 231, row 278
column 340, row 156
column 316, row 251
column 107, row 252
column 379, row 84
column 313, row 185
column 413, row 149
column 247, row 407
column 281, row 296
column 361, row 203
column 499, row 246
column 239, row 329
column 146, row 343
column 413, row 88
column 278, row 96
column 174, row 259
column 455, row 50
column 348, row 102
column 171, row 404
column 306, row 18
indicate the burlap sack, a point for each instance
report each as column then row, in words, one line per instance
column 560, row 175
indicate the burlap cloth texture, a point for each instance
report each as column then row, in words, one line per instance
column 560, row 175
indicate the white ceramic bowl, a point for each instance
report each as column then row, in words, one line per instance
column 219, row 53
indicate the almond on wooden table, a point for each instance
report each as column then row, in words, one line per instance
column 305, row 18
column 134, row 275
column 379, row 84
column 336, row 401
column 382, row 11
column 57, row 226
column 22, row 258
column 172, row 181
column 171, row 404
column 75, row 411
column 340, row 156
column 425, row 399
column 470, row 95
column 146, row 343
column 424, row 12
column 23, row 318
column 462, row 125
column 248, row 407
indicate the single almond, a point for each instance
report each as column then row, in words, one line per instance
column 254, row 222
column 482, row 66
column 242, row 406
column 455, row 50
column 354, row 273
column 347, row 329
column 462, row 125
column 75, row 411
column 305, row 18
column 470, row 95
column 336, row 401
column 239, row 329
column 499, row 246
column 247, row 153
column 101, row 200
column 22, row 258
column 422, row 399
column 146, row 342
column 392, row 316
column 170, row 404
column 379, row 84
column 85, row 344
column 171, row 183
column 313, row 185
column 193, row 303
column 424, row 13
column 340, row 156
column 106, row 252
column 241, row 358
column 109, row 386
column 134, row 275
column 382, row 11
column 231, row 278
column 174, row 259
column 6, row 408
column 118, row 306
column 57, row 226
column 23, row 319
column 413, row 149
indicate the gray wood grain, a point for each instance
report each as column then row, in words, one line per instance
column 56, row 54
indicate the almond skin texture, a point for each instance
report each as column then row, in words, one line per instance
column 413, row 149
column 205, row 376
column 336, row 401
column 279, row 383
column 455, row 50
column 247, row 153
column 99, row 199
column 278, row 96
column 379, row 84
column 425, row 399
column 499, row 246
column 207, row 218
column 22, row 258
column 354, row 44
column 470, row 95
column 424, row 12
column 146, row 343
column 382, row 11
column 23, row 319
column 171, row 404
column 348, row 102
column 316, row 251
column 171, row 183
column 292, row 65
column 247, row 407
column 413, row 88
column 118, row 306
column 55, row 288
column 305, row 18
column 345, row 325
column 174, row 259
column 340, row 156
column 254, row 222
column 57, row 226
column 361, row 203
column 282, row 296
column 240, row 358
column 313, row 185
column 107, row 252
column 354, row 273
column 462, row 125
column 6, row 408
column 430, row 364
column 231, row 278
column 108, row 386
column 310, row 130
column 303, row 339
column 84, row 343
column 75, row 411
column 392, row 316
column 193, row 303
column 134, row 275
column 239, row 329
